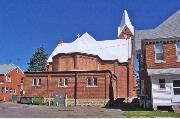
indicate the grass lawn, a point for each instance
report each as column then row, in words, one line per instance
column 150, row 114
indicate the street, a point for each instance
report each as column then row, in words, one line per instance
column 10, row 110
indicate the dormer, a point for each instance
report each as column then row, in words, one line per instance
column 126, row 29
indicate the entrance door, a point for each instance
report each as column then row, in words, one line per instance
column 176, row 90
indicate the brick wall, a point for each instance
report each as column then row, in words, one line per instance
column 49, row 83
column 169, row 56
column 16, row 76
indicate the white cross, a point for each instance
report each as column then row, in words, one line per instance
column 78, row 35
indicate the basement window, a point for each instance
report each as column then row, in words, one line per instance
column 162, row 84
column 91, row 81
column 159, row 53
column 178, row 52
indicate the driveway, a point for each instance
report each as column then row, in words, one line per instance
column 26, row 111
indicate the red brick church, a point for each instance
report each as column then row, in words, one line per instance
column 88, row 71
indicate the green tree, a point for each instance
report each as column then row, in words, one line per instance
column 38, row 61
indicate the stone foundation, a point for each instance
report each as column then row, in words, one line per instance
column 83, row 102
column 87, row 102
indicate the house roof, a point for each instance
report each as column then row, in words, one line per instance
column 118, row 49
column 5, row 68
column 170, row 28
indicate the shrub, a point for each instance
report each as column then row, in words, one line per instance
column 36, row 100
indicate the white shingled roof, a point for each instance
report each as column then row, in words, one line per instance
column 170, row 28
column 125, row 21
column 119, row 49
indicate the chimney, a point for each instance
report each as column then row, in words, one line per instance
column 61, row 41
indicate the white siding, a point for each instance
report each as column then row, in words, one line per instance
column 162, row 97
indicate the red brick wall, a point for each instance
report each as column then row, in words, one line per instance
column 101, row 91
column 169, row 56
column 125, row 31
column 75, row 62
column 15, row 84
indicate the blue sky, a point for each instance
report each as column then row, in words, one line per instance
column 26, row 25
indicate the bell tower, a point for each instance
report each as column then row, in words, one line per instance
column 126, row 29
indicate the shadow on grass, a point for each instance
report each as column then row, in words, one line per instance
column 120, row 104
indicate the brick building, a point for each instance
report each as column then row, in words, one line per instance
column 159, row 56
column 88, row 71
column 10, row 82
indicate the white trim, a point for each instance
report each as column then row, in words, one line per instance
column 167, row 71
column 156, row 60
column 13, row 69
column 63, row 82
column 177, row 60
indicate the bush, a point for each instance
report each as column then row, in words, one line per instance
column 26, row 100
column 36, row 100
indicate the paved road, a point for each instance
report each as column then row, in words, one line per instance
column 26, row 111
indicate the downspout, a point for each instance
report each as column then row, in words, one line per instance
column 127, row 81
column 48, row 90
column 75, row 89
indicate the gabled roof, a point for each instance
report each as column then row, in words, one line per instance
column 118, row 49
column 170, row 28
column 125, row 21
column 5, row 68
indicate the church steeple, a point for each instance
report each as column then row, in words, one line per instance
column 125, row 25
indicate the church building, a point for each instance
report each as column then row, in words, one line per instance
column 88, row 71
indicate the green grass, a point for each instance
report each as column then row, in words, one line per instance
column 150, row 114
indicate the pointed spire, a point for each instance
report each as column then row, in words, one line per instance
column 125, row 21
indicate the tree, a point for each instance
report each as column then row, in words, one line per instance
column 38, row 61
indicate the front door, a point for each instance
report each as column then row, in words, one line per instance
column 176, row 90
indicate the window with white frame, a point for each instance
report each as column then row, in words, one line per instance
column 162, row 84
column 176, row 87
column 178, row 51
column 6, row 90
column 10, row 90
column 62, row 82
column 36, row 82
column 91, row 81
column 8, row 79
column 159, row 52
